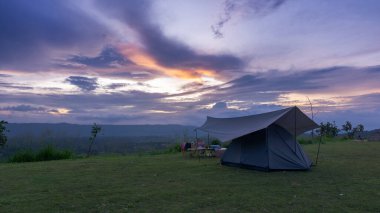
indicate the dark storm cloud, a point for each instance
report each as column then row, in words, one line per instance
column 23, row 108
column 167, row 51
column 84, row 83
column 256, row 7
column 29, row 29
column 108, row 57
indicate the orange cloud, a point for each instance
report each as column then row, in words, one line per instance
column 139, row 57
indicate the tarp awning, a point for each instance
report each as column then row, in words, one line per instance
column 292, row 119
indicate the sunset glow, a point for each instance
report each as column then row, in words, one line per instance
column 127, row 62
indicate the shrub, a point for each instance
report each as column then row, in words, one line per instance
column 49, row 153
column 23, row 156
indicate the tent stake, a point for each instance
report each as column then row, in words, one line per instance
column 319, row 145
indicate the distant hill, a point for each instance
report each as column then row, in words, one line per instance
column 374, row 135
column 76, row 130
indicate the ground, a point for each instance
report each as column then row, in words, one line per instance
column 346, row 179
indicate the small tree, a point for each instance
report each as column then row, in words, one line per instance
column 3, row 130
column 94, row 131
column 358, row 131
column 347, row 127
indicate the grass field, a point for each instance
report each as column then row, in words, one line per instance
column 347, row 179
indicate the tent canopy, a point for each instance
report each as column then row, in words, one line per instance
column 291, row 119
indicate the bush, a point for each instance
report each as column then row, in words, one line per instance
column 23, row 156
column 49, row 153
column 45, row 154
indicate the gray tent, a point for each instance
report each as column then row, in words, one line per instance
column 263, row 141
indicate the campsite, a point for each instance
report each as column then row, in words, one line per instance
column 346, row 179
column 189, row 106
column 263, row 169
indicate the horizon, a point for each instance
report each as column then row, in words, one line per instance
column 168, row 62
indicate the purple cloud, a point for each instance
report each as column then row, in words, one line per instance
column 257, row 7
column 84, row 83
column 167, row 51
column 29, row 29
column 109, row 57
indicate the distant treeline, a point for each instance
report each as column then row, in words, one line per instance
column 121, row 139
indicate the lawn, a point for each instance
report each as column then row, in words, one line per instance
column 347, row 179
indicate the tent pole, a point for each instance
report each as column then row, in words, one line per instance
column 295, row 129
column 319, row 145
column 208, row 139
column 266, row 140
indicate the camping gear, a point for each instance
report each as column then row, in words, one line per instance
column 264, row 141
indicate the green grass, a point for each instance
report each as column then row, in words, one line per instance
column 347, row 179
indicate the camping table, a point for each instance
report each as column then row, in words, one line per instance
column 201, row 152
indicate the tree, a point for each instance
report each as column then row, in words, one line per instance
column 358, row 131
column 328, row 129
column 360, row 128
column 95, row 129
column 3, row 130
column 347, row 127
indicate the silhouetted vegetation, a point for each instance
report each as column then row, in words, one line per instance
column 328, row 129
column 46, row 154
column 95, row 129
column 3, row 136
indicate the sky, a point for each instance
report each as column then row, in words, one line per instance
column 177, row 61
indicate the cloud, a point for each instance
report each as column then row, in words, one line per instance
column 15, row 86
column 132, row 75
column 231, row 7
column 5, row 75
column 116, row 85
column 113, row 118
column 108, row 57
column 23, row 108
column 165, row 51
column 84, row 83
column 220, row 106
column 30, row 30
column 249, row 94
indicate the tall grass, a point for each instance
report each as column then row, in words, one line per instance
column 46, row 154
